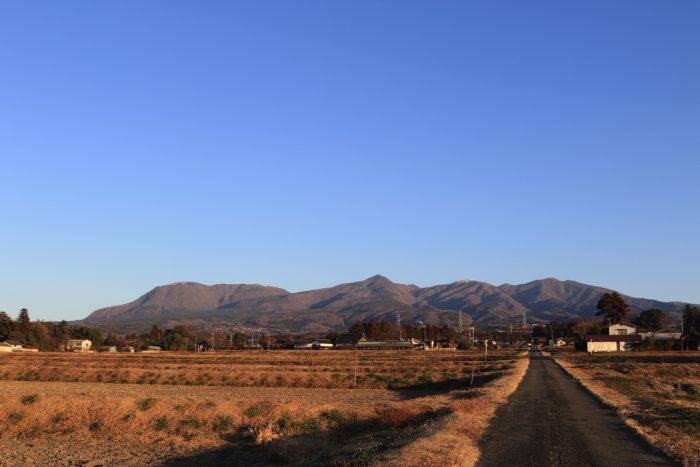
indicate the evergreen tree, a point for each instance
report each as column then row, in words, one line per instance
column 6, row 326
column 613, row 308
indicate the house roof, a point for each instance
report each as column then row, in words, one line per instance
column 613, row 338
column 349, row 338
column 624, row 324
column 386, row 343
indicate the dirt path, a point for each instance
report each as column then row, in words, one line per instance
column 552, row 421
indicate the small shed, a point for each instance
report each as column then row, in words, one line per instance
column 5, row 347
column 78, row 345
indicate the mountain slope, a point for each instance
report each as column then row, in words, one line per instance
column 335, row 308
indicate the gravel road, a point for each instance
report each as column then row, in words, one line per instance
column 551, row 420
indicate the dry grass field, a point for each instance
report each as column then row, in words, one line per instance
column 252, row 408
column 658, row 394
column 287, row 369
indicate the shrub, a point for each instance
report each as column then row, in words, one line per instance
column 30, row 399
column 222, row 423
column 95, row 426
column 145, row 404
column 161, row 424
column 15, row 417
column 58, row 418
column 332, row 416
column 191, row 422
column 257, row 410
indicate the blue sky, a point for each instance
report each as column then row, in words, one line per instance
column 303, row 144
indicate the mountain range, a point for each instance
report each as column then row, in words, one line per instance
column 335, row 308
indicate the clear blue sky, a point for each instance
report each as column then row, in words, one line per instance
column 303, row 144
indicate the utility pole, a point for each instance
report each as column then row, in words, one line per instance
column 460, row 321
column 355, row 368
column 195, row 342
column 681, row 335
column 524, row 320
column 510, row 334
column 398, row 323
column 213, row 342
column 551, row 328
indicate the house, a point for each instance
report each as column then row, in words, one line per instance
column 622, row 329
column 303, row 346
column 615, row 343
column 78, row 345
column 349, row 340
column 108, row 348
column 16, row 345
column 620, row 337
column 5, row 347
column 557, row 342
column 321, row 344
column 449, row 344
column 152, row 349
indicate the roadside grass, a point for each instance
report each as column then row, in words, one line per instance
column 657, row 395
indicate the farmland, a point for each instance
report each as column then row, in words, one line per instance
column 297, row 369
column 658, row 394
column 288, row 407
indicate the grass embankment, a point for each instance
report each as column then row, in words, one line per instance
column 657, row 394
column 431, row 408
column 453, row 440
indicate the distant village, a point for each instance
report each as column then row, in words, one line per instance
column 650, row 330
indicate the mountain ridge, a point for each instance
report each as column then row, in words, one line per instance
column 377, row 297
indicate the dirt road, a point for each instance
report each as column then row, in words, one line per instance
column 553, row 421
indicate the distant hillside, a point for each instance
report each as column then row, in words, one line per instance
column 335, row 308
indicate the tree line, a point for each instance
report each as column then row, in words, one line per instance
column 43, row 335
column 386, row 329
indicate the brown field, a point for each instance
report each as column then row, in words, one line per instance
column 253, row 408
column 658, row 394
column 287, row 369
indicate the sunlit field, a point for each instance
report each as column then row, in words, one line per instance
column 290, row 407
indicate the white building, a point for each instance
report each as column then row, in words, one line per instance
column 78, row 345
column 620, row 337
column 5, row 347
column 622, row 329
